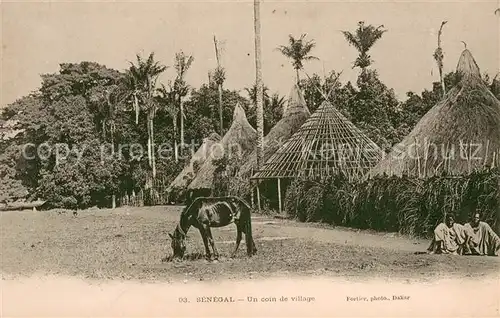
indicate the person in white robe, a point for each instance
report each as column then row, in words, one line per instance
column 480, row 238
column 449, row 238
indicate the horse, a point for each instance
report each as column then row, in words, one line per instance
column 204, row 213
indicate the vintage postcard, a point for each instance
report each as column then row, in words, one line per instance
column 250, row 158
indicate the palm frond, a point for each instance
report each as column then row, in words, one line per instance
column 351, row 39
column 310, row 57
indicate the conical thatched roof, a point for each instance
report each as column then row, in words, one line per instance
column 326, row 144
column 188, row 173
column 294, row 115
column 495, row 86
column 459, row 134
column 238, row 141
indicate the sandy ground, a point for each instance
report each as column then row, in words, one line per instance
column 129, row 243
column 101, row 260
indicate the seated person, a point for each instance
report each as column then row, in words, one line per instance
column 449, row 238
column 480, row 238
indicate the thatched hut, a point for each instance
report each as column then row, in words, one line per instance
column 294, row 115
column 236, row 144
column 177, row 188
column 459, row 134
column 327, row 144
column 495, row 85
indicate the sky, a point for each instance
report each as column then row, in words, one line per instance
column 38, row 36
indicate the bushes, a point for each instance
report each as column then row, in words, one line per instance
column 406, row 205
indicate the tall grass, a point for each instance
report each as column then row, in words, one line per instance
column 406, row 205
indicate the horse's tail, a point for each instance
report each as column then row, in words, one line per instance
column 248, row 235
column 246, row 217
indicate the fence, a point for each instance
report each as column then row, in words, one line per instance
column 157, row 195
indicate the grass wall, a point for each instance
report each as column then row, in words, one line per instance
column 396, row 204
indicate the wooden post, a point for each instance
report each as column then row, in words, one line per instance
column 498, row 209
column 279, row 195
column 252, row 199
column 469, row 158
column 258, row 197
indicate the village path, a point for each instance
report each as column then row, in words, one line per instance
column 268, row 228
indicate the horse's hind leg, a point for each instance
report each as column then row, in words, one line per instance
column 203, row 233
column 238, row 239
column 211, row 240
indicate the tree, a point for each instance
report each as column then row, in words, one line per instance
column 77, row 107
column 363, row 39
column 259, row 85
column 298, row 51
column 166, row 98
column 315, row 89
column 274, row 111
column 252, row 93
column 142, row 79
column 107, row 100
column 273, row 107
column 417, row 105
column 202, row 110
column 495, row 85
column 373, row 105
column 219, row 76
column 439, row 56
column 182, row 64
column 79, row 175
column 11, row 187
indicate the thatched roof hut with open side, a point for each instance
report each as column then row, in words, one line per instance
column 459, row 134
column 238, row 141
column 326, row 144
column 294, row 115
column 180, row 183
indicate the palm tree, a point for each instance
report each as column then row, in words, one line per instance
column 219, row 76
column 142, row 79
column 363, row 39
column 252, row 93
column 439, row 56
column 259, row 86
column 298, row 51
column 182, row 64
column 166, row 99
column 277, row 103
column 276, row 107
column 106, row 102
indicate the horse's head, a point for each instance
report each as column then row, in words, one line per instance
column 178, row 243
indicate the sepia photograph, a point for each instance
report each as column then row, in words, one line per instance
column 250, row 158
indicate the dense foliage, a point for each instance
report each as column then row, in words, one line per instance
column 84, row 134
column 396, row 204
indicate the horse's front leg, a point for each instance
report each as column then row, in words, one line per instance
column 212, row 242
column 203, row 233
